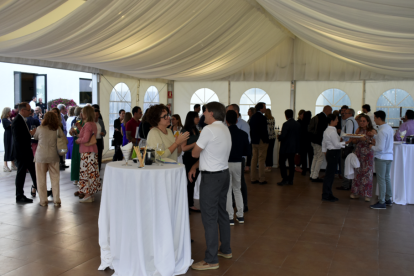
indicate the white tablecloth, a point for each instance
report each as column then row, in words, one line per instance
column 402, row 174
column 143, row 220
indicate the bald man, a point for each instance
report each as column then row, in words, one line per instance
column 317, row 127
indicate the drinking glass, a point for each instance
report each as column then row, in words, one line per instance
column 160, row 151
column 198, row 128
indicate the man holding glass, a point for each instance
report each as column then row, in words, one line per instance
column 22, row 151
column 213, row 148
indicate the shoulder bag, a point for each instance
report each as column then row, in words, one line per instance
column 348, row 148
column 61, row 144
column 92, row 141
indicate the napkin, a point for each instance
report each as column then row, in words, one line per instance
column 127, row 147
column 169, row 161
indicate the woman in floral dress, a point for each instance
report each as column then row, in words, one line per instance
column 89, row 178
column 362, row 183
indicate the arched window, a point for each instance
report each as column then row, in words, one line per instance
column 203, row 96
column 120, row 99
column 395, row 103
column 152, row 97
column 250, row 98
column 333, row 97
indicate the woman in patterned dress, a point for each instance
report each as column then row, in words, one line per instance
column 362, row 183
column 272, row 138
column 89, row 179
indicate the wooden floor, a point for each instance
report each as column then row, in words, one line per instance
column 288, row 231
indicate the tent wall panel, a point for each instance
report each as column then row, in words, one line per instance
column 183, row 91
column 307, row 92
column 145, row 84
column 374, row 89
column 105, row 89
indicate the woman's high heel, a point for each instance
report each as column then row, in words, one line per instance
column 33, row 193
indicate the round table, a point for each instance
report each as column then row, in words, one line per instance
column 144, row 220
column 402, row 174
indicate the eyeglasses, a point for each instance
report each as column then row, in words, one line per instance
column 166, row 116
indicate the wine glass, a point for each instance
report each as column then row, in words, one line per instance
column 160, row 151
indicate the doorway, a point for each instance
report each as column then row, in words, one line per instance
column 29, row 85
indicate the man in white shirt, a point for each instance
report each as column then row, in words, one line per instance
column 366, row 108
column 33, row 103
column 213, row 148
column 349, row 127
column 383, row 155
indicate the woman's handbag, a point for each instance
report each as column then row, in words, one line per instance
column 61, row 144
column 92, row 141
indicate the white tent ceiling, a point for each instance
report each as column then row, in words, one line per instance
column 191, row 40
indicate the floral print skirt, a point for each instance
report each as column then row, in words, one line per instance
column 89, row 178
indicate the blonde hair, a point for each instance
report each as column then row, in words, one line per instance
column 268, row 114
column 5, row 113
column 88, row 114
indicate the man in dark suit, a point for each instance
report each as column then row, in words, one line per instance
column 317, row 127
column 22, row 151
column 289, row 146
column 260, row 141
column 118, row 136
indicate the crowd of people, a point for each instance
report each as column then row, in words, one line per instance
column 220, row 146
column 31, row 145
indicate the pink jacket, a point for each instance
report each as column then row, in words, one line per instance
column 85, row 135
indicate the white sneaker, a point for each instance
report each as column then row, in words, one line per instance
column 6, row 169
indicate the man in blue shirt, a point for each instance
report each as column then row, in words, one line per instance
column 243, row 125
column 383, row 156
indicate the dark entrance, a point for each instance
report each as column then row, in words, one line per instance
column 27, row 85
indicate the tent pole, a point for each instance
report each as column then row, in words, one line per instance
column 293, row 96
column 364, row 91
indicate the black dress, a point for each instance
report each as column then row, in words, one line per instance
column 8, row 141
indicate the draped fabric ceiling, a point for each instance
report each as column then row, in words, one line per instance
column 192, row 40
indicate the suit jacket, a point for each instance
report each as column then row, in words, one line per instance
column 117, row 134
column 258, row 128
column 22, row 146
column 46, row 151
column 290, row 137
column 320, row 128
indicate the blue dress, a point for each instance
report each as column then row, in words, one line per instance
column 124, row 138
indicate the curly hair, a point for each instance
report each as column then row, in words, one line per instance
column 51, row 120
column 370, row 127
column 153, row 114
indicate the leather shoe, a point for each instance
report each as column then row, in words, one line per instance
column 334, row 198
column 255, row 182
column 262, row 183
column 329, row 199
column 316, row 180
column 24, row 199
column 290, row 183
column 343, row 189
column 283, row 182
